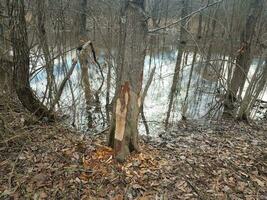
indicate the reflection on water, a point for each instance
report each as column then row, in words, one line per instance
column 204, row 95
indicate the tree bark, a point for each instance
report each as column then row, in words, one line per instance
column 83, row 59
column 5, row 64
column 243, row 59
column 83, row 17
column 86, row 87
column 252, row 93
column 5, row 78
column 43, row 42
column 181, row 47
column 198, row 36
column 21, row 60
column 124, row 126
column 207, row 69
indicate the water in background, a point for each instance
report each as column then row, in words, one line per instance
column 203, row 97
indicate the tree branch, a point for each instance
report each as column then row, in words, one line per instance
column 187, row 16
column 147, row 85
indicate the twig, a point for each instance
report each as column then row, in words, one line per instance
column 148, row 85
column 99, row 67
column 187, row 16
column 200, row 195
column 103, row 131
column 13, row 168
column 144, row 120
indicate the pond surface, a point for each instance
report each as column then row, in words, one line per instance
column 204, row 94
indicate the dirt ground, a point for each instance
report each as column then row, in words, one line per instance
column 222, row 160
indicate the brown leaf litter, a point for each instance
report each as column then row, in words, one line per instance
column 221, row 161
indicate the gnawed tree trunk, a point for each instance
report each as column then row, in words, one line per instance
column 181, row 47
column 243, row 59
column 124, row 126
column 83, row 52
column 21, row 60
column 83, row 59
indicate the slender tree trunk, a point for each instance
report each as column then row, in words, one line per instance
column 42, row 36
column 109, row 66
column 243, row 59
column 21, row 60
column 252, row 93
column 86, row 88
column 84, row 62
column 83, row 17
column 1, row 31
column 108, row 91
column 181, row 47
column 143, row 98
column 185, row 104
column 211, row 43
column 124, row 126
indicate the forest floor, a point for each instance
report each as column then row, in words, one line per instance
column 222, row 160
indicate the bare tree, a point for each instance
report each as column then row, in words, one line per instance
column 124, row 126
column 181, row 48
column 43, row 42
column 243, row 59
column 21, row 60
column 253, row 91
column 198, row 36
column 82, row 20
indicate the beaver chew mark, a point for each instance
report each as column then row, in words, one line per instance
column 139, row 100
column 121, row 111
